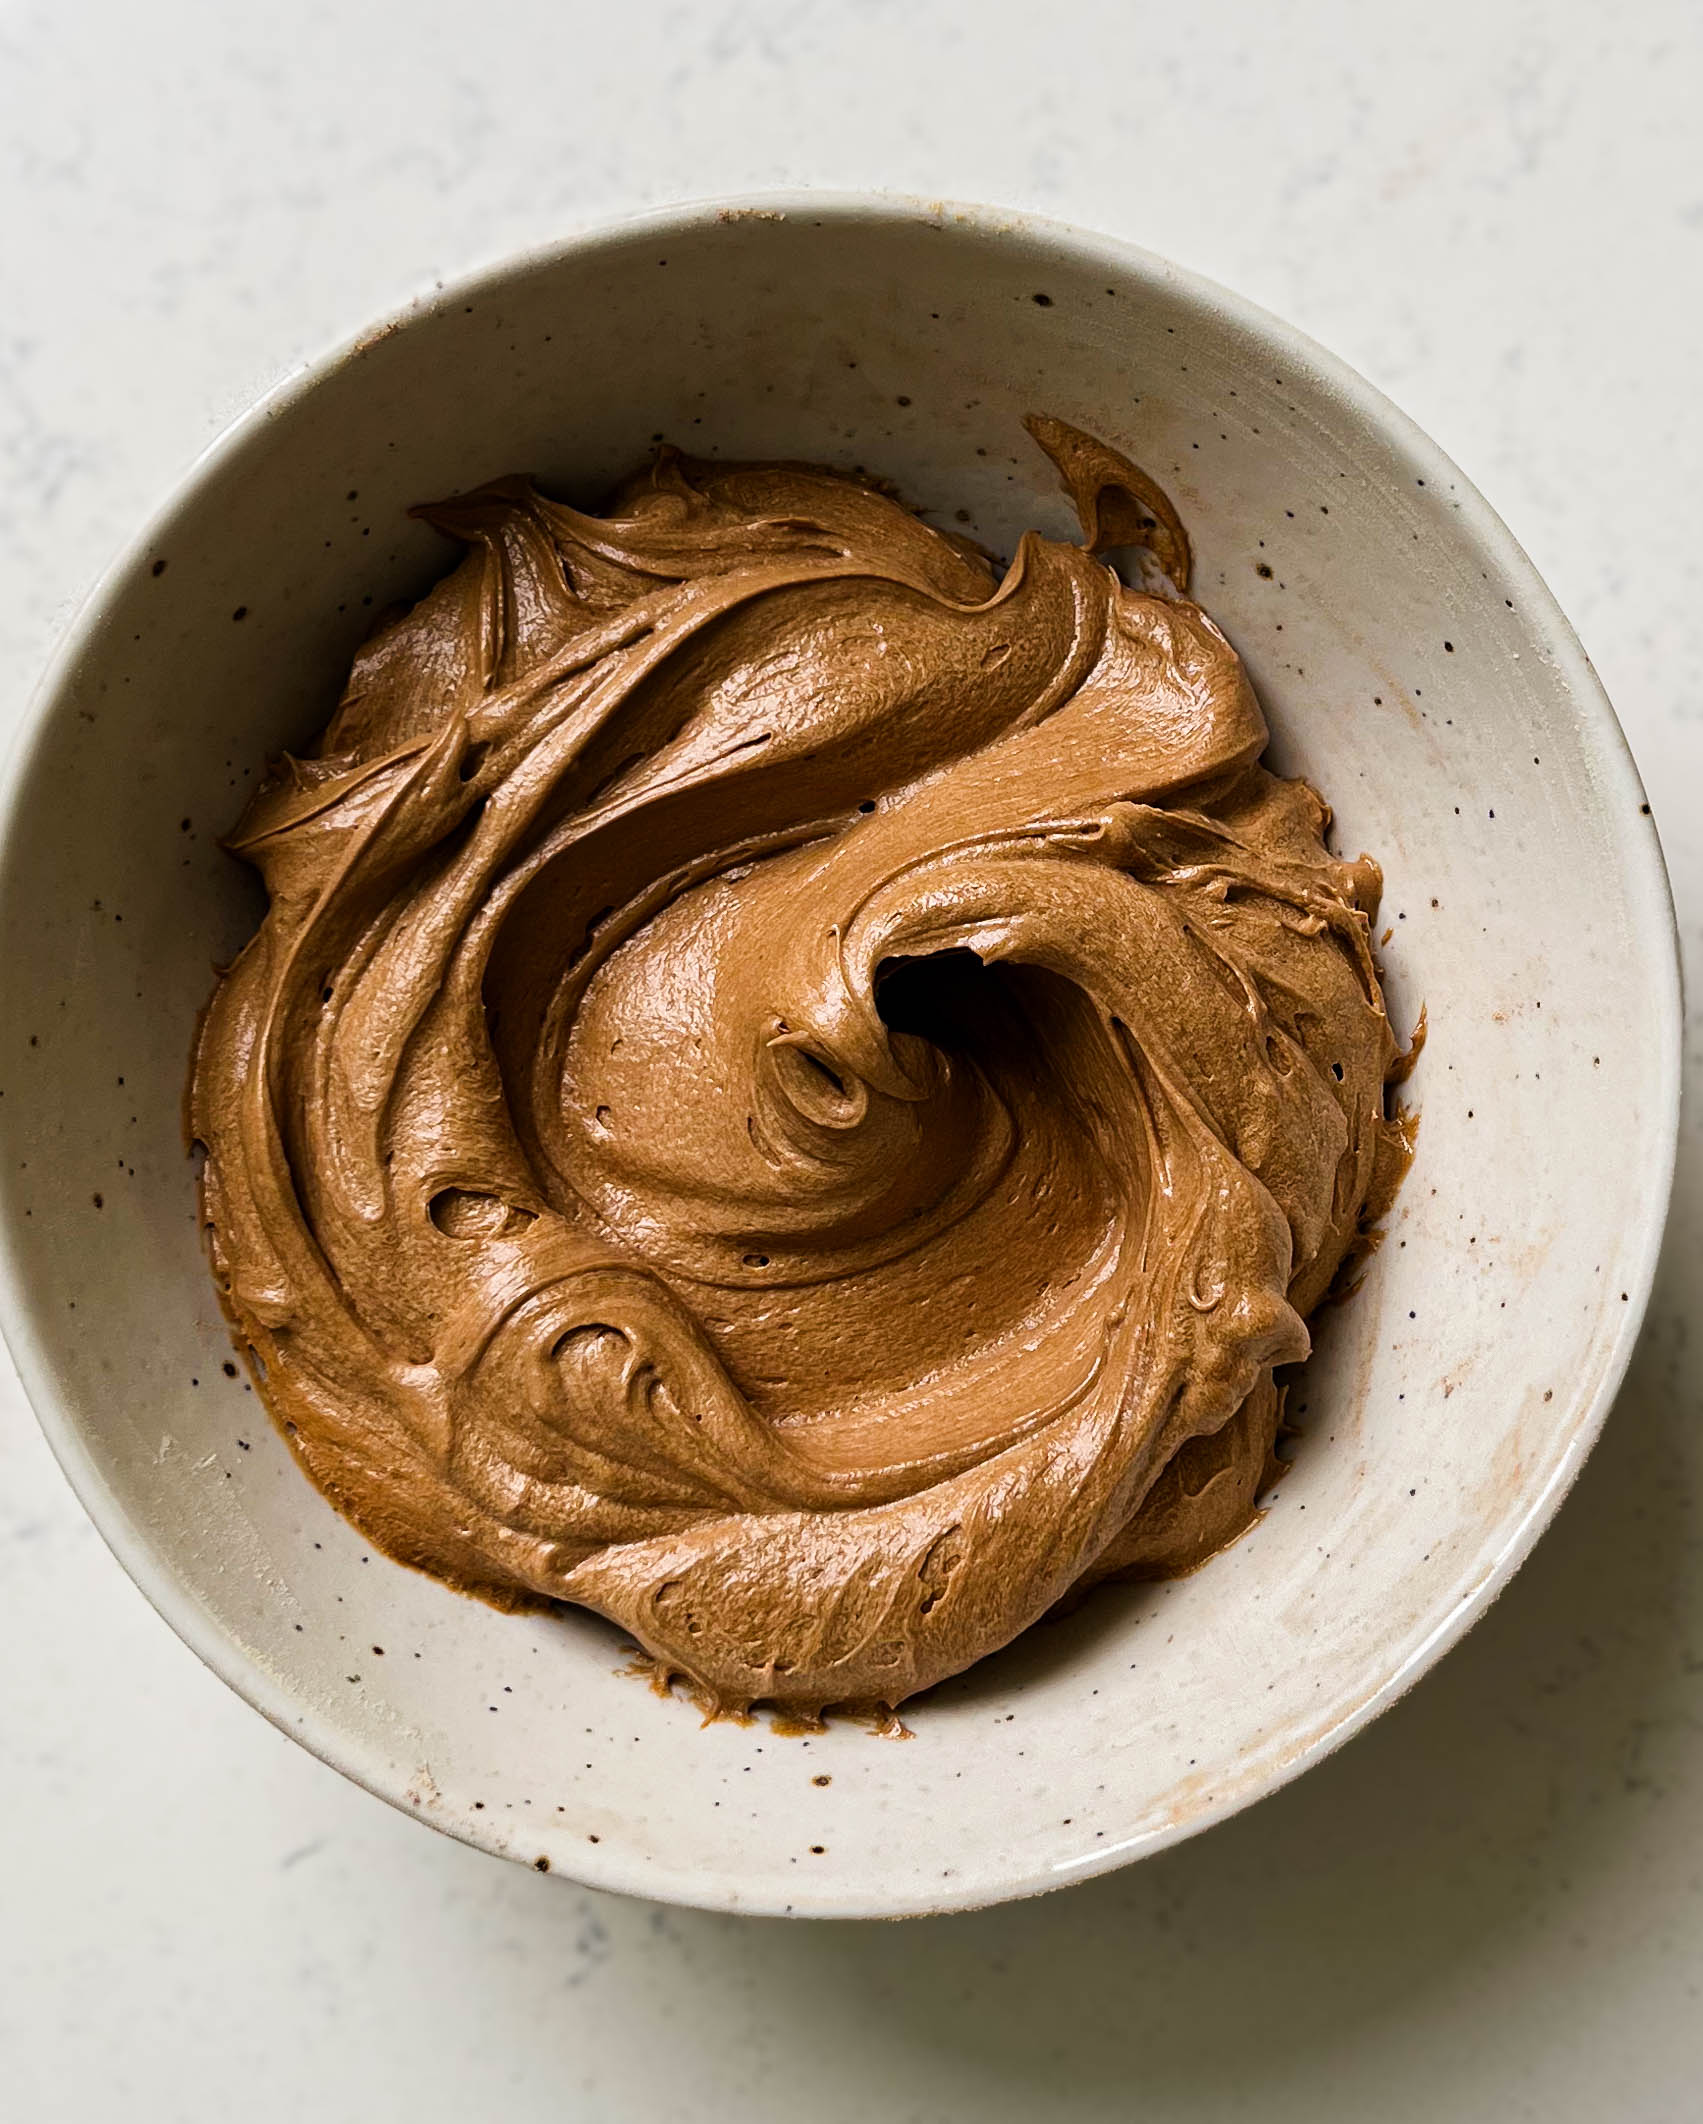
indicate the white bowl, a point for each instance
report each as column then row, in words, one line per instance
column 1412, row 664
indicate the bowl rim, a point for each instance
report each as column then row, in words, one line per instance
column 606, row 1867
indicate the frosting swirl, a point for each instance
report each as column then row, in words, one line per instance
column 793, row 1089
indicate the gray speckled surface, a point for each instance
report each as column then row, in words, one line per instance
column 1489, row 1906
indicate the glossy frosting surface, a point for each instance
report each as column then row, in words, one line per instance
column 794, row 1086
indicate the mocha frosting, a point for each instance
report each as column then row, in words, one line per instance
column 794, row 1088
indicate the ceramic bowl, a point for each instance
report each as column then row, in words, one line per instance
column 1412, row 665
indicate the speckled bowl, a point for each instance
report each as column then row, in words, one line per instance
column 1413, row 665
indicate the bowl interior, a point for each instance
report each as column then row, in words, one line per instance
column 1412, row 666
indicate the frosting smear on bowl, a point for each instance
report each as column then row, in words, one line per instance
column 794, row 1086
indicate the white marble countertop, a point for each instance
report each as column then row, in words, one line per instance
column 1489, row 1906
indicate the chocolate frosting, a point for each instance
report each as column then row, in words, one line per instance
column 793, row 1088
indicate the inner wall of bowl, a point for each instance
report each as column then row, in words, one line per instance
column 1401, row 675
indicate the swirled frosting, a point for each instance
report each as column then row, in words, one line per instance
column 794, row 1087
